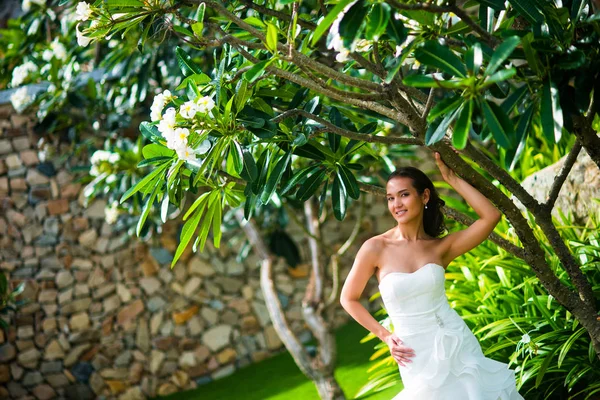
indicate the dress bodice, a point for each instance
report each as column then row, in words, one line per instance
column 411, row 294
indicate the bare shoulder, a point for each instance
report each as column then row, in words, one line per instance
column 369, row 251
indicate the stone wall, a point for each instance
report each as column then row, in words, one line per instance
column 105, row 314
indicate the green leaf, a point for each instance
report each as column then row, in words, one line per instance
column 498, row 123
column 351, row 24
column 531, row 54
column 435, row 134
column 396, row 31
column 502, row 52
column 310, row 186
column 339, row 198
column 349, row 181
column 147, row 207
column 195, row 79
column 207, row 222
column 249, row 172
column 524, row 123
column 216, row 224
column 271, row 37
column 444, row 107
column 435, row 55
column 150, row 132
column 463, row 126
column 237, row 155
column 199, row 202
column 257, row 69
column 298, row 178
column 153, row 150
column 147, row 179
column 184, row 60
column 432, row 81
column 378, row 21
column 495, row 4
column 275, row 177
column 551, row 112
column 474, row 58
column 500, row 76
column 333, row 139
column 529, row 10
column 309, row 150
column 152, row 161
column 187, row 231
column 324, row 25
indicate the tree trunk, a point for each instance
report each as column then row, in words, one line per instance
column 329, row 389
column 318, row 369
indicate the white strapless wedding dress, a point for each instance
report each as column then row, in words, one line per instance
column 448, row 363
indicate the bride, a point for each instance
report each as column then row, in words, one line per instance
column 437, row 355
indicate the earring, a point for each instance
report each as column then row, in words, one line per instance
column 425, row 205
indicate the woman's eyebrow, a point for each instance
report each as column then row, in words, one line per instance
column 399, row 191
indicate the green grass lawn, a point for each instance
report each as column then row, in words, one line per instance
column 279, row 378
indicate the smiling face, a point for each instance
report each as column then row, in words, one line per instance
column 404, row 202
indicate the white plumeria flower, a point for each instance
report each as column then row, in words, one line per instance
column 178, row 140
column 21, row 72
column 47, row 55
column 59, row 50
column 103, row 155
column 82, row 40
column 167, row 125
column 205, row 104
column 159, row 102
column 186, row 153
column 20, row 99
column 83, row 12
column 526, row 338
column 111, row 213
column 188, row 110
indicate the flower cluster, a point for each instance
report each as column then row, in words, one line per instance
column 83, row 12
column 160, row 100
column 102, row 156
column 177, row 137
column 20, row 99
column 21, row 72
column 57, row 49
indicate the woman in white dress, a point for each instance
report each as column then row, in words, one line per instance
column 438, row 357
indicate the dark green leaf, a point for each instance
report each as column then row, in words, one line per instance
column 378, row 21
column 463, row 126
column 444, row 107
column 237, row 155
column 529, row 10
column 187, row 231
column 501, row 53
column 249, row 172
column 275, row 177
column 474, row 58
column 435, row 133
column 150, row 132
column 499, row 124
column 310, row 186
column 310, row 151
column 396, row 30
column 551, row 112
column 187, row 66
column 339, row 198
column 350, row 25
column 435, row 55
column 298, row 178
column 328, row 20
column 349, row 181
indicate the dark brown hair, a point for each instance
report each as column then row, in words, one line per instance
column 433, row 218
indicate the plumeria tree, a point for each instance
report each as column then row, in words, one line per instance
column 291, row 102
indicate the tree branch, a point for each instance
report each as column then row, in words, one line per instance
column 346, row 133
column 562, row 176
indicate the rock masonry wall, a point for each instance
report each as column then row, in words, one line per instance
column 105, row 314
